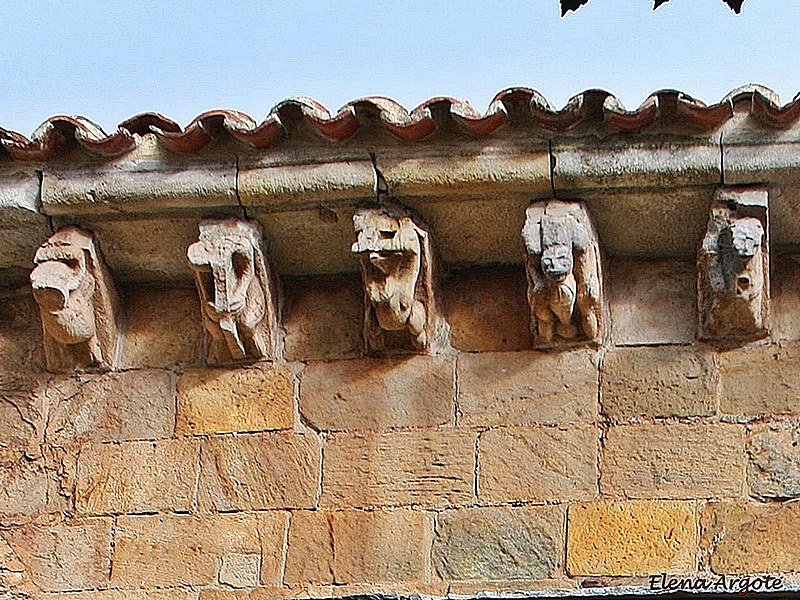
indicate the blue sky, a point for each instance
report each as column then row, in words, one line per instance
column 110, row 60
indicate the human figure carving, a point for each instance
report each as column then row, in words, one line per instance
column 396, row 264
column 564, row 277
column 238, row 295
column 732, row 287
column 77, row 302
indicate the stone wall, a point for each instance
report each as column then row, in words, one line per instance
column 494, row 467
column 654, row 431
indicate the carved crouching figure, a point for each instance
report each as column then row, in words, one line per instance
column 564, row 278
column 733, row 292
column 77, row 302
column 396, row 264
column 237, row 293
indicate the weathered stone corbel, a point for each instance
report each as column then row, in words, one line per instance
column 733, row 268
column 401, row 309
column 564, row 275
column 238, row 294
column 77, row 301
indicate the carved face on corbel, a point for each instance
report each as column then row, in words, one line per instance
column 733, row 284
column 395, row 263
column 77, row 302
column 563, row 273
column 237, row 295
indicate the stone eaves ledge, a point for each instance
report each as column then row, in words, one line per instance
column 648, row 190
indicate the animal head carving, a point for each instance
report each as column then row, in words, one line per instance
column 77, row 302
column 563, row 273
column 237, row 294
column 396, row 259
column 733, row 285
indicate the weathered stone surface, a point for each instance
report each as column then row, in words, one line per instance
column 309, row 557
column 287, row 185
column 564, row 275
column 774, row 391
column 238, row 294
column 499, row 543
column 228, row 400
column 323, row 317
column 129, row 594
column 631, row 538
column 21, row 351
column 673, row 461
column 78, row 302
column 377, row 546
column 401, row 308
column 652, row 302
column 517, row 388
column 773, row 470
column 136, row 477
column 663, row 381
column 252, row 472
column 751, row 538
column 373, row 393
column 115, row 407
column 24, row 485
column 240, row 570
column 165, row 238
column 427, row 468
column 22, row 228
column 69, row 555
column 191, row 551
column 487, row 308
column 785, row 282
column 540, row 464
column 733, row 267
column 150, row 178
column 160, row 338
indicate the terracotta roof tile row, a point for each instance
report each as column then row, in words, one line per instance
column 516, row 105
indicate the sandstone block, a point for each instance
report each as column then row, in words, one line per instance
column 661, row 381
column 252, row 472
column 499, row 543
column 240, row 570
column 24, row 485
column 773, row 469
column 517, row 388
column 751, row 538
column 309, row 558
column 373, row 547
column 631, row 538
column 539, row 464
column 785, row 292
column 21, row 349
column 130, row 405
column 70, row 555
column 673, row 461
column 487, row 309
column 160, row 338
column 228, row 400
column 427, row 468
column 117, row 594
column 135, row 477
column 323, row 318
column 190, row 551
column 377, row 393
column 774, row 391
column 652, row 302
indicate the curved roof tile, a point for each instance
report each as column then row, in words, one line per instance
column 669, row 107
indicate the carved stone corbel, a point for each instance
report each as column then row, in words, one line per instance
column 733, row 268
column 564, row 275
column 238, row 295
column 401, row 311
column 77, row 301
